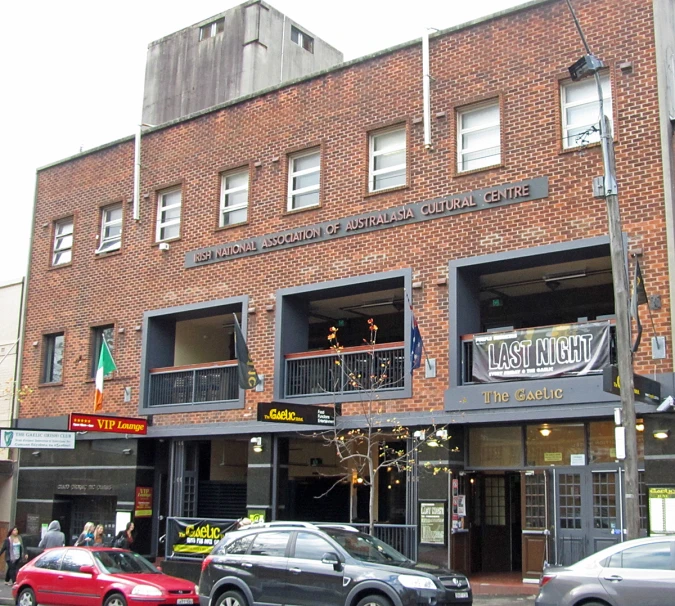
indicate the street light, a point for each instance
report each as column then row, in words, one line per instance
column 587, row 65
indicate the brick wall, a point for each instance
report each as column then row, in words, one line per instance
column 518, row 58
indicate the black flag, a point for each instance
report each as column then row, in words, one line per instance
column 248, row 377
column 639, row 297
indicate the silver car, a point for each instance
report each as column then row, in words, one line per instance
column 634, row 573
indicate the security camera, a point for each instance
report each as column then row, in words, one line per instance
column 666, row 405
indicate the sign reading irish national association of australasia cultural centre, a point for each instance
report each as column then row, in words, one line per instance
column 540, row 353
column 479, row 199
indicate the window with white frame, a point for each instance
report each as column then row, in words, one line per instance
column 52, row 361
column 234, row 198
column 304, row 179
column 478, row 136
column 110, row 237
column 580, row 110
column 168, row 215
column 302, row 39
column 211, row 29
column 387, row 159
column 63, row 242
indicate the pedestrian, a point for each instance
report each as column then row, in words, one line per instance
column 86, row 538
column 125, row 538
column 99, row 535
column 15, row 554
column 53, row 537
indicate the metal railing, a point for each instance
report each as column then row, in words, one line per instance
column 402, row 537
column 318, row 373
column 214, row 383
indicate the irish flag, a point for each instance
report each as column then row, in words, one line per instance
column 106, row 365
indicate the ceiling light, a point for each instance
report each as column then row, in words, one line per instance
column 565, row 275
column 433, row 442
column 257, row 444
column 661, row 434
column 640, row 427
column 545, row 431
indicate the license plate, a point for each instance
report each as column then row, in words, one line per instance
column 184, row 601
column 462, row 594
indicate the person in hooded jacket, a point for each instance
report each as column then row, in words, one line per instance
column 53, row 537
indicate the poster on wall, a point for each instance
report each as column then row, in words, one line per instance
column 432, row 523
column 541, row 353
column 143, row 504
column 195, row 537
column 661, row 510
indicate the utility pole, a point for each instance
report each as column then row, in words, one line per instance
column 608, row 189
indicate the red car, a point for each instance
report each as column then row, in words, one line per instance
column 90, row 576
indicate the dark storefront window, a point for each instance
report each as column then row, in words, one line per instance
column 555, row 444
column 496, row 447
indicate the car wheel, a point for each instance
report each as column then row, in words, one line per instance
column 26, row 598
column 115, row 599
column 374, row 600
column 232, row 598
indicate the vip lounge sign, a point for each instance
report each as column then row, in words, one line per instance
column 541, row 353
column 85, row 422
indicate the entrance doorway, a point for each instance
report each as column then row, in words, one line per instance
column 496, row 522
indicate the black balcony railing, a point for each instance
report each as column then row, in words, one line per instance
column 317, row 373
column 197, row 384
column 466, row 372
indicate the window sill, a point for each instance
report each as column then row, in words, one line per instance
column 483, row 169
column 59, row 384
column 105, row 255
column 577, row 148
column 232, row 226
column 295, row 211
column 388, row 190
column 60, row 266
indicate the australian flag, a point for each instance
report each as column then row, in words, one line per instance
column 416, row 346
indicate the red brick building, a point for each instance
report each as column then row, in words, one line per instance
column 318, row 204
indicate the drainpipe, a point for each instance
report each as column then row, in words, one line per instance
column 426, row 89
column 137, row 170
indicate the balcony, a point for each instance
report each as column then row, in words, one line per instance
column 466, row 371
column 311, row 373
column 194, row 384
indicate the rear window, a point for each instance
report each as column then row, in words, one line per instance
column 50, row 560
column 270, row 544
column 115, row 562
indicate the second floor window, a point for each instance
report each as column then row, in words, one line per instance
column 52, row 368
column 580, row 110
column 387, row 159
column 63, row 242
column 98, row 333
column 168, row 215
column 234, row 198
column 110, row 237
column 304, row 179
column 478, row 137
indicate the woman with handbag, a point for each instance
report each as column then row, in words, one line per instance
column 15, row 554
column 124, row 538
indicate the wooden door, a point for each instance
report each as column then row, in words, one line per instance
column 535, row 504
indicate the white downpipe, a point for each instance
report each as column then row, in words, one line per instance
column 137, row 173
column 426, row 89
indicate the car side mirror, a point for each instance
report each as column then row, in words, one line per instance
column 331, row 558
column 88, row 570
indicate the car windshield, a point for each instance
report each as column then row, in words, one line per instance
column 366, row 548
column 124, row 562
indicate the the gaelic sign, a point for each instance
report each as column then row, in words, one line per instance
column 541, row 353
column 296, row 414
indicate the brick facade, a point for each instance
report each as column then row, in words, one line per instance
column 518, row 58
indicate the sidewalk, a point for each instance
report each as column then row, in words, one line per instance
column 5, row 594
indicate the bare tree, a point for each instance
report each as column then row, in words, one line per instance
column 363, row 452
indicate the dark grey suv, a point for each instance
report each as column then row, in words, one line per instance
column 302, row 564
